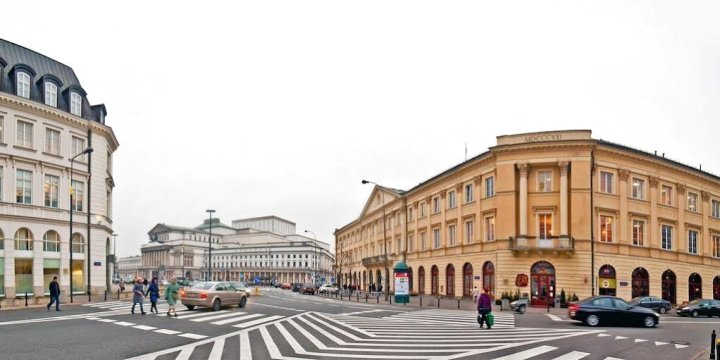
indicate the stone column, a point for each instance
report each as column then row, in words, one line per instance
column 38, row 268
column 564, row 233
column 622, row 235
column 653, row 233
column 9, row 247
column 706, row 240
column 681, row 236
column 522, row 237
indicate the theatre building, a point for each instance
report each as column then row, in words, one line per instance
column 542, row 212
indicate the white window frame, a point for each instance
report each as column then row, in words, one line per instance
column 609, row 220
column 422, row 210
column 715, row 209
column 607, row 180
column 52, row 141
column 24, row 185
column 22, row 84
column 469, row 190
column 411, row 243
column 78, row 146
column 693, row 235
column 545, row 180
column 2, row 129
column 24, row 134
column 692, row 202
column 51, row 190
column 666, row 234
column 638, row 241
column 452, row 199
column 55, row 243
column 469, row 231
column 452, row 235
column 50, row 94
column 436, row 238
column 75, row 103
column 423, row 240
column 79, row 196
column 666, row 195
column 548, row 234
column 410, row 214
column 490, row 187
column 489, row 223
column 716, row 245
column 436, row 205
column 638, row 192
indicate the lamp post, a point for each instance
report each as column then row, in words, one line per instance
column 72, row 163
column 314, row 267
column 210, row 211
column 385, row 261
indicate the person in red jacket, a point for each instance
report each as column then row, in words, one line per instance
column 484, row 307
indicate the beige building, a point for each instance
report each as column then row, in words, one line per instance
column 543, row 212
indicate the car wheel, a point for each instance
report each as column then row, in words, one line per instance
column 522, row 309
column 216, row 305
column 243, row 302
column 695, row 313
column 662, row 310
column 190, row 307
column 592, row 320
column 649, row 321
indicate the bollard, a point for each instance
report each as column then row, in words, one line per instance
column 358, row 296
column 438, row 302
column 421, row 301
column 377, row 298
column 118, row 294
column 366, row 297
column 390, row 298
column 340, row 296
column 105, row 295
column 26, row 298
column 712, row 347
column 458, row 304
column 717, row 347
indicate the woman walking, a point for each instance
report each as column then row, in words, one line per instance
column 484, row 308
column 171, row 295
column 154, row 292
column 138, row 296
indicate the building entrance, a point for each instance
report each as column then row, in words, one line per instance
column 542, row 285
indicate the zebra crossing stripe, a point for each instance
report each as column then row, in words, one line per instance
column 236, row 319
column 528, row 353
column 185, row 354
column 167, row 332
column 208, row 318
column 217, row 349
column 258, row 321
column 193, row 336
column 575, row 355
column 198, row 314
column 144, row 327
column 124, row 323
column 245, row 351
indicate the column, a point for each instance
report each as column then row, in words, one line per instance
column 706, row 241
column 9, row 268
column 38, row 267
column 443, row 225
column 654, row 242
column 681, row 235
column 564, row 242
column 623, row 235
column 522, row 237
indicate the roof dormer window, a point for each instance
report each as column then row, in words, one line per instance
column 50, row 94
column 75, row 104
column 23, row 84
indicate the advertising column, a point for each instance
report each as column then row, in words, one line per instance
column 402, row 283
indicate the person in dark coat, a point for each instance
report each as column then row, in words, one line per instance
column 154, row 292
column 484, row 307
column 54, row 294
column 138, row 296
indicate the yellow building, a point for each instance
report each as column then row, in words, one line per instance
column 543, row 212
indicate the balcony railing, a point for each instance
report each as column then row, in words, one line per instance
column 535, row 244
column 374, row 260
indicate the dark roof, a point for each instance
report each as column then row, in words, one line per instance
column 160, row 228
column 14, row 57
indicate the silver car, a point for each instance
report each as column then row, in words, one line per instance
column 212, row 294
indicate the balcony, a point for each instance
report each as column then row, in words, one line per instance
column 532, row 244
column 374, row 260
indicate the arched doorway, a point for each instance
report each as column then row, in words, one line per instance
column 410, row 279
column 489, row 278
column 694, row 287
column 669, row 282
column 542, row 285
column 421, row 280
column 450, row 280
column 467, row 279
column 378, row 283
column 607, row 280
column 434, row 281
column 716, row 288
column 640, row 282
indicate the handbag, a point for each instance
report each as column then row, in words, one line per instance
column 490, row 319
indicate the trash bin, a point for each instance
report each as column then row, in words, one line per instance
column 505, row 304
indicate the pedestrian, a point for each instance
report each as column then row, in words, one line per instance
column 475, row 294
column 122, row 285
column 138, row 296
column 484, row 308
column 145, row 284
column 380, row 288
column 54, row 294
column 154, row 292
column 171, row 295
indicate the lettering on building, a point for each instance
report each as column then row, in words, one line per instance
column 541, row 138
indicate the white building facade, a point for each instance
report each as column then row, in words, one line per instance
column 129, row 267
column 45, row 121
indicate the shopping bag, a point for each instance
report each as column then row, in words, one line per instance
column 490, row 318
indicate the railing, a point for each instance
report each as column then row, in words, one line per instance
column 554, row 243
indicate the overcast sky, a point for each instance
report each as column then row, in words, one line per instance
column 282, row 108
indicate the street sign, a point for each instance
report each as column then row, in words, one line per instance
column 97, row 263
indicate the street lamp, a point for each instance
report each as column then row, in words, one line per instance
column 385, row 261
column 72, row 163
column 314, row 269
column 210, row 211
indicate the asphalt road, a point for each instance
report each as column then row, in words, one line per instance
column 281, row 325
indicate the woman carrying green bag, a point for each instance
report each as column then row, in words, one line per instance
column 484, row 309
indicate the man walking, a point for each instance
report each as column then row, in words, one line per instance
column 484, row 307
column 54, row 294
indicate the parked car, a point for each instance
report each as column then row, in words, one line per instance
column 520, row 305
column 327, row 288
column 296, row 287
column 611, row 310
column 285, row 286
column 240, row 286
column 700, row 307
column 652, row 302
column 212, row 294
column 308, row 289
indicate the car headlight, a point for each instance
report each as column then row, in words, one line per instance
column 686, row 308
column 513, row 303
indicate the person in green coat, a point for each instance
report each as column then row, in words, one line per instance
column 172, row 295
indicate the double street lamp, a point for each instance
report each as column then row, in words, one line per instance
column 385, row 260
column 72, row 163
column 209, row 276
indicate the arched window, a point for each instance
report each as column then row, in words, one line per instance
column 694, row 287
column 51, row 241
column 716, row 288
column 669, row 283
column 434, row 281
column 467, row 279
column 640, row 283
column 489, row 278
column 23, row 240
column 606, row 285
column 421, row 280
column 450, row 280
column 78, row 243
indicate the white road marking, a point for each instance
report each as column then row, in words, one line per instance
column 167, row 332
column 612, row 358
column 640, row 340
column 603, row 335
column 575, row 355
column 214, row 317
column 528, row 353
column 658, row 343
column 217, row 350
column 193, row 336
column 144, row 327
column 245, row 351
column 361, row 312
column 554, row 317
column 258, row 321
column 185, row 354
column 107, row 320
column 123, row 323
column 678, row 346
column 236, row 319
column 181, row 317
column 620, row 337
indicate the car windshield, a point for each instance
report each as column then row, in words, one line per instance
column 695, row 302
column 202, row 286
column 636, row 300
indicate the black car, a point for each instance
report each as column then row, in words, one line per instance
column 700, row 307
column 296, row 287
column 652, row 302
column 611, row 310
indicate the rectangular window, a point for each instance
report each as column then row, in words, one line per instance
column 666, row 194
column 666, row 234
column 469, row 231
column 544, row 181
column 78, row 192
column 52, row 141
column 51, row 190
column 692, row 202
column 50, row 94
column 490, row 228
column 410, row 214
column 422, row 210
column 468, row 193
column 490, row 187
column 451, row 200
column 23, row 189
column 75, row 104
column 436, row 205
column 451, row 235
column 692, row 241
column 638, row 188
column 638, row 233
column 606, row 182
column 1, row 189
column 606, row 228
column 2, row 129
column 436, row 238
column 545, row 226
column 423, row 241
column 24, row 134
column 23, row 85
column 715, row 209
column 411, row 243
column 78, row 146
column 716, row 246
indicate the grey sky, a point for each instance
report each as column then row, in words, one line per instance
column 260, row 108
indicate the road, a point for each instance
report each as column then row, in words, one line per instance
column 280, row 324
